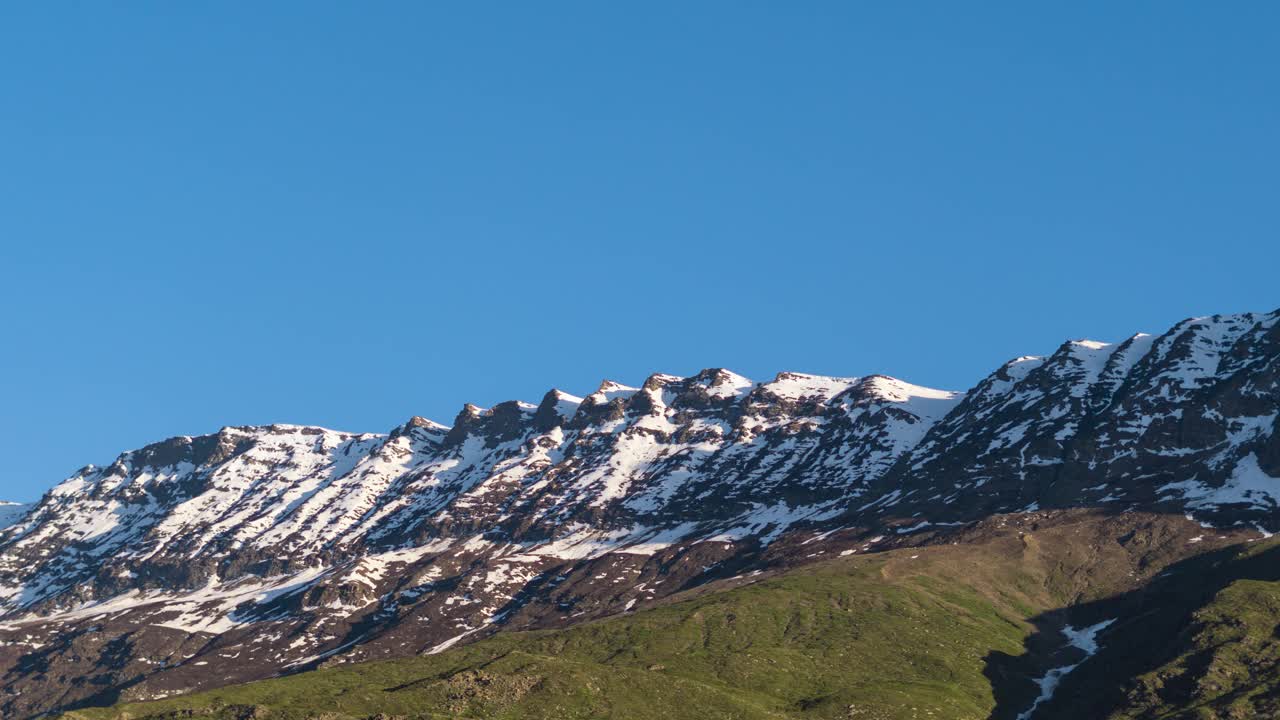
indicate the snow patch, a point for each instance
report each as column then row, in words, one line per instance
column 609, row 390
column 1247, row 485
column 1085, row 639
column 796, row 386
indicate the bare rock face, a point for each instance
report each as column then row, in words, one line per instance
column 255, row 551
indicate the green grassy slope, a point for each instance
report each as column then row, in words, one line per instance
column 1228, row 668
column 905, row 634
column 1207, row 645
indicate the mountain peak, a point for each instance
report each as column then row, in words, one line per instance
column 899, row 391
column 1091, row 344
column 795, row 386
column 609, row 391
column 557, row 407
column 421, row 422
column 723, row 384
column 658, row 381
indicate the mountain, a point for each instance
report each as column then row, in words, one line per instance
column 199, row 562
column 1185, row 420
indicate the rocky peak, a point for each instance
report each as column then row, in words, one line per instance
column 606, row 404
column 722, row 384
column 421, row 428
column 557, row 408
column 882, row 388
column 658, row 381
column 501, row 423
column 610, row 391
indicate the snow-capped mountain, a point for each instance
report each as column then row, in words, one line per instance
column 201, row 561
column 1186, row 420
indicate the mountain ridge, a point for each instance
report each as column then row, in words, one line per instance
column 521, row 516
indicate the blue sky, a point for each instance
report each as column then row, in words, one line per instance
column 346, row 214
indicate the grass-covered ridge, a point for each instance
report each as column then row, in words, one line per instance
column 906, row 634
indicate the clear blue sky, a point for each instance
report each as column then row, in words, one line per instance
column 346, row 214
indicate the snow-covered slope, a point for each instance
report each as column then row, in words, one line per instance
column 205, row 560
column 1184, row 420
